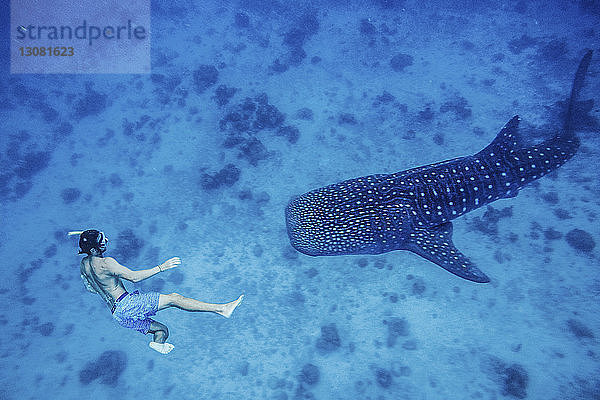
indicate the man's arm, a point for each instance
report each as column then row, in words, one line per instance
column 135, row 276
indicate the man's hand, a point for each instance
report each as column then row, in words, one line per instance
column 170, row 263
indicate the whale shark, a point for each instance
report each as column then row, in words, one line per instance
column 412, row 210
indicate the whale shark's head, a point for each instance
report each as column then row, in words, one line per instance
column 305, row 226
column 323, row 222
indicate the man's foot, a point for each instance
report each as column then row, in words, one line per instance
column 163, row 348
column 229, row 307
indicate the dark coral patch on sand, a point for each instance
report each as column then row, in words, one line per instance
column 383, row 377
column 251, row 116
column 294, row 39
column 108, row 368
column 397, row 327
column 92, row 103
column 330, row 339
column 70, row 195
column 513, row 379
column 46, row 329
column 129, row 246
column 204, row 77
column 223, row 94
column 488, row 223
column 580, row 240
column 290, row 132
column 400, row 61
column 459, row 106
column 253, row 150
column 310, row 374
column 244, row 121
column 242, row 20
column 32, row 163
column 579, row 329
column 227, row 176
column 167, row 89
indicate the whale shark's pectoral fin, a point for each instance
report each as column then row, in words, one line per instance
column 435, row 244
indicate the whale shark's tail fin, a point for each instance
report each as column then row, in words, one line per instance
column 508, row 139
column 575, row 90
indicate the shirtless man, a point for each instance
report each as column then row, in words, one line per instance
column 102, row 275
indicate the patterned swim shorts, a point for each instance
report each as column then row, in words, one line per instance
column 135, row 309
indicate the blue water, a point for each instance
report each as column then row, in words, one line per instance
column 181, row 163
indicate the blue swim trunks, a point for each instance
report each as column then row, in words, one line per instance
column 135, row 309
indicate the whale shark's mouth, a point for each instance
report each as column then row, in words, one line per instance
column 298, row 228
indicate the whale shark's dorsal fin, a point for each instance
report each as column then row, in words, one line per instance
column 507, row 139
column 435, row 244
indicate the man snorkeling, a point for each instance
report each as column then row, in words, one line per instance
column 102, row 275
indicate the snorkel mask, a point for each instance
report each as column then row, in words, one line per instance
column 91, row 241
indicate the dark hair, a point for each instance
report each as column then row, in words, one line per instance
column 90, row 240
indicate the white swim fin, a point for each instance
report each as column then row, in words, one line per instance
column 163, row 348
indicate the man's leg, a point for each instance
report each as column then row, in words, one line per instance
column 161, row 333
column 187, row 304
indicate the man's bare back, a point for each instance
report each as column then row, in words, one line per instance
column 98, row 279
